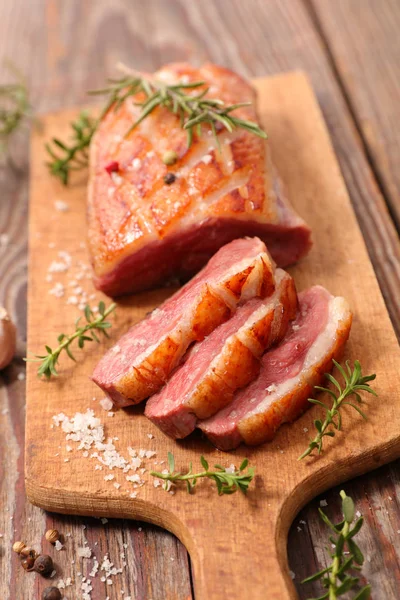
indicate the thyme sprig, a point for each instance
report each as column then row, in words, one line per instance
column 338, row 578
column 226, row 482
column 354, row 382
column 82, row 333
column 72, row 156
column 14, row 107
column 193, row 109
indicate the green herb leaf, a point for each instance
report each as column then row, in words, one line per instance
column 354, row 382
column 226, row 483
column 195, row 111
column 50, row 360
column 338, row 578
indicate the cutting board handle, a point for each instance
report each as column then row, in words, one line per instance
column 240, row 553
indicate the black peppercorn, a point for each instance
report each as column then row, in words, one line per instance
column 44, row 565
column 51, row 593
column 169, row 178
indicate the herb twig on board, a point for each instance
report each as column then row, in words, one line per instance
column 83, row 333
column 14, row 107
column 354, row 383
column 194, row 110
column 227, row 482
column 73, row 155
column 339, row 578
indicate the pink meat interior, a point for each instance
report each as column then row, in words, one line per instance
column 198, row 362
column 164, row 319
column 281, row 363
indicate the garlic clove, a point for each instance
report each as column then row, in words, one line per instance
column 8, row 338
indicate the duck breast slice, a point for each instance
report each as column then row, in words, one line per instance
column 288, row 373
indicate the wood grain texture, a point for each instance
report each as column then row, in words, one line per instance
column 66, row 47
column 338, row 260
column 364, row 44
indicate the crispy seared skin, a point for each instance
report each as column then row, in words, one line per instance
column 288, row 374
column 143, row 232
column 144, row 358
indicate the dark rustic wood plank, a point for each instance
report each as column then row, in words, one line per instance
column 364, row 45
column 65, row 48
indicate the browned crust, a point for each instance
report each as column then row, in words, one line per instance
column 217, row 388
column 262, row 427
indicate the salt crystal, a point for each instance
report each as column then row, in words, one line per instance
column 109, row 477
column 292, row 575
column 323, row 503
column 106, row 403
column 58, row 545
column 117, row 179
column 84, row 552
column 61, row 206
column 117, row 485
column 104, row 520
column 230, row 469
column 21, row 376
column 150, row 436
column 4, row 240
column 57, row 290
column 136, row 163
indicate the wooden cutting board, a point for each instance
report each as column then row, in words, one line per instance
column 237, row 544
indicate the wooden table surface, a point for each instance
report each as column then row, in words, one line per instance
column 351, row 51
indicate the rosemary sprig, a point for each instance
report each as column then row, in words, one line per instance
column 226, row 482
column 193, row 109
column 49, row 361
column 338, row 579
column 14, row 107
column 354, row 382
column 73, row 156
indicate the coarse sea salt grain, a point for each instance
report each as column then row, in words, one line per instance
column 57, row 290
column 84, row 552
column 58, row 545
column 106, row 403
column 323, row 503
column 61, row 206
column 4, row 240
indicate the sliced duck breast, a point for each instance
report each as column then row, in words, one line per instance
column 288, row 373
column 144, row 358
column 228, row 359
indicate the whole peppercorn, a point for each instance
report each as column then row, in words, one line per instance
column 169, row 178
column 27, row 551
column 44, row 565
column 28, row 563
column 18, row 547
column 169, row 157
column 51, row 593
column 52, row 535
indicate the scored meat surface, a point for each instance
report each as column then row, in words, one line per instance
column 144, row 358
column 228, row 359
column 142, row 231
column 288, row 373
